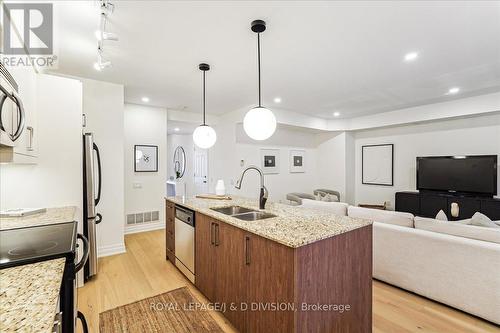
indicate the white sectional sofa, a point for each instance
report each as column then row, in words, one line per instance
column 458, row 265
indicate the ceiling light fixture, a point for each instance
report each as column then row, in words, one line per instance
column 453, row 91
column 177, row 129
column 204, row 136
column 336, row 114
column 107, row 9
column 145, row 99
column 101, row 64
column 277, row 99
column 259, row 123
column 411, row 56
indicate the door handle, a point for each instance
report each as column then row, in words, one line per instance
column 217, row 234
column 247, row 250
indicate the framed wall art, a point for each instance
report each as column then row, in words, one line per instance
column 297, row 161
column 146, row 158
column 377, row 164
column 270, row 161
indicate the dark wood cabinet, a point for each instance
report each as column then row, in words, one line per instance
column 272, row 281
column 428, row 204
column 408, row 202
column 170, row 231
column 231, row 282
column 205, row 256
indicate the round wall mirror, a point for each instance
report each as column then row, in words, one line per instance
column 179, row 162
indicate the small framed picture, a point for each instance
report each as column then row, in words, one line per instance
column 297, row 161
column 270, row 160
column 146, row 158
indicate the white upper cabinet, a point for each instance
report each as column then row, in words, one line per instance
column 24, row 148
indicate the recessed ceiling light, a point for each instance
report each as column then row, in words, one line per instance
column 145, row 99
column 277, row 99
column 411, row 56
column 177, row 129
column 453, row 91
column 336, row 114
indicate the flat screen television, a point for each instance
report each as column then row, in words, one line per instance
column 462, row 174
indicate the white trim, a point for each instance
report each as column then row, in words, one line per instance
column 110, row 250
column 142, row 227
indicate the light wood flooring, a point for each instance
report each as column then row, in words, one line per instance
column 143, row 272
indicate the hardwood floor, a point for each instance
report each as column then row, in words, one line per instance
column 143, row 272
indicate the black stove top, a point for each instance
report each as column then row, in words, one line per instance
column 34, row 244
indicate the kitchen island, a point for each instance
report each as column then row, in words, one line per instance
column 300, row 271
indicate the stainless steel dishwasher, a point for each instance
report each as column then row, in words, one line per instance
column 184, row 241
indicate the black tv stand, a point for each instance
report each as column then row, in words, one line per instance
column 429, row 203
column 457, row 194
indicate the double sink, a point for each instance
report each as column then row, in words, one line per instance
column 243, row 213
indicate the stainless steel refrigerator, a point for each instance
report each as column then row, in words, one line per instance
column 92, row 184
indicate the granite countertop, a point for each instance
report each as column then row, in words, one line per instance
column 29, row 295
column 293, row 226
column 51, row 216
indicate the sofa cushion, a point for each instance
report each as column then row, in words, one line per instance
column 457, row 229
column 383, row 216
column 441, row 215
column 337, row 208
column 482, row 220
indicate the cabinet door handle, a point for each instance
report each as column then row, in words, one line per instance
column 217, row 234
column 31, row 131
column 247, row 250
column 212, row 232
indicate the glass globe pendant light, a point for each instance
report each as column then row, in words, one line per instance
column 204, row 136
column 259, row 123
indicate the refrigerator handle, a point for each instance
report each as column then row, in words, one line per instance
column 98, row 218
column 100, row 174
column 85, row 255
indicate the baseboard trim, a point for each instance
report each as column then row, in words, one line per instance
column 110, row 250
column 135, row 228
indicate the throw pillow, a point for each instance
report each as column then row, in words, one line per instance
column 441, row 216
column 482, row 220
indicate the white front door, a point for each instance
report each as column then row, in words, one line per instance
column 200, row 170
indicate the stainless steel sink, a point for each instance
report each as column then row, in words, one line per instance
column 243, row 213
column 232, row 210
column 254, row 216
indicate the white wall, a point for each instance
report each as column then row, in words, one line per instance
column 103, row 107
column 148, row 126
column 468, row 136
column 186, row 142
column 233, row 146
column 56, row 179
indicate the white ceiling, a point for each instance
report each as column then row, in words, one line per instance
column 319, row 57
column 181, row 127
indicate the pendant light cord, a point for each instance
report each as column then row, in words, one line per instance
column 204, row 98
column 258, row 65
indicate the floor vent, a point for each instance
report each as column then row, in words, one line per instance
column 143, row 217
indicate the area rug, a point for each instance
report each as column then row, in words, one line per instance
column 174, row 311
